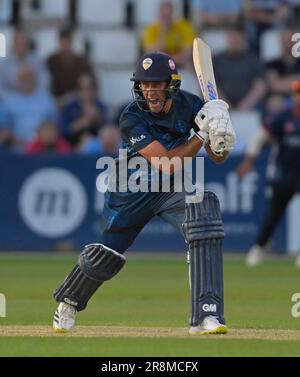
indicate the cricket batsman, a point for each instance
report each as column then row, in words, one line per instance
column 158, row 123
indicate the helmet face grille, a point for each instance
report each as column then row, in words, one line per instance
column 171, row 90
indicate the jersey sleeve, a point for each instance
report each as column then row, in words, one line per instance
column 198, row 104
column 135, row 132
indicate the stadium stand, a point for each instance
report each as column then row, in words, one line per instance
column 216, row 39
column 116, row 48
column 270, row 45
column 115, row 87
column 5, row 11
column 45, row 11
column 146, row 11
column 100, row 13
column 46, row 41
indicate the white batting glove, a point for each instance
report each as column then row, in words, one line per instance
column 221, row 135
column 210, row 111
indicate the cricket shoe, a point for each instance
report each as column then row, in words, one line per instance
column 297, row 261
column 255, row 256
column 210, row 325
column 64, row 318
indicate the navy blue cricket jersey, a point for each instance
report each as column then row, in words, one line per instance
column 125, row 213
column 139, row 128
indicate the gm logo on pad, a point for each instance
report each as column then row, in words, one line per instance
column 209, row 307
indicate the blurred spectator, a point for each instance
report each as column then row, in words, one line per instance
column 261, row 15
column 239, row 74
column 18, row 57
column 170, row 35
column 283, row 131
column 275, row 103
column 107, row 142
column 85, row 113
column 66, row 66
column 28, row 107
column 282, row 71
column 48, row 141
column 216, row 13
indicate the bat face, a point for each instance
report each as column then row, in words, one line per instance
column 204, row 69
column 205, row 74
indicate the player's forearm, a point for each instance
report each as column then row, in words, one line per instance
column 189, row 149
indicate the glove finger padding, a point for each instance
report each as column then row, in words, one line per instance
column 229, row 142
column 221, row 135
column 215, row 109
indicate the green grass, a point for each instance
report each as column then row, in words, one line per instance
column 106, row 347
column 151, row 291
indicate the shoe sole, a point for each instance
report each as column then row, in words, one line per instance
column 219, row 330
column 60, row 330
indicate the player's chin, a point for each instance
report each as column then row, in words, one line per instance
column 156, row 107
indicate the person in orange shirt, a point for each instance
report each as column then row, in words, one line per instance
column 170, row 35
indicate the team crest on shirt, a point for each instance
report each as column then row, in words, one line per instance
column 180, row 126
column 147, row 63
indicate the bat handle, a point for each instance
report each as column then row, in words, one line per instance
column 220, row 143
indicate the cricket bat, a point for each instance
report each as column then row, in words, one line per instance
column 205, row 75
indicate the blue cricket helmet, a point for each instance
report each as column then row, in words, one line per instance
column 154, row 67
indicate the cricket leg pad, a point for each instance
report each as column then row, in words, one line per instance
column 97, row 263
column 204, row 232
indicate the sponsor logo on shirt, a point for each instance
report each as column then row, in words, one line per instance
column 135, row 140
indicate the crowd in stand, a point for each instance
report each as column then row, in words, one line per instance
column 53, row 105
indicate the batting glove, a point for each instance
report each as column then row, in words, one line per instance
column 221, row 135
column 210, row 111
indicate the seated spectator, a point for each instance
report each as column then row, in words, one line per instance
column 239, row 74
column 261, row 15
column 216, row 13
column 85, row 113
column 27, row 107
column 107, row 142
column 170, row 35
column 282, row 71
column 18, row 57
column 48, row 140
column 65, row 67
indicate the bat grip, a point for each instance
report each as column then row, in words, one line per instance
column 220, row 143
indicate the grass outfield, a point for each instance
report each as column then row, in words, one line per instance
column 144, row 310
